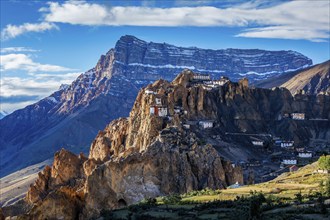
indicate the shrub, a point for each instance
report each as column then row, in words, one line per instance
column 327, row 187
column 149, row 201
column 172, row 199
column 324, row 162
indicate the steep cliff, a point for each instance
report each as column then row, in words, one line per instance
column 72, row 116
column 157, row 152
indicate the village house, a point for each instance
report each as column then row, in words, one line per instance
column 293, row 168
column 201, row 77
column 289, row 161
column 287, row 144
column 298, row 116
column 162, row 111
column 149, row 92
column 215, row 83
column 206, row 124
column 234, row 186
column 186, row 126
column 158, row 111
column 305, row 154
column 258, row 143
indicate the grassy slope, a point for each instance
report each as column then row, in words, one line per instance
column 286, row 185
column 283, row 188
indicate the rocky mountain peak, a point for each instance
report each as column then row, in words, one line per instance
column 108, row 91
column 174, row 141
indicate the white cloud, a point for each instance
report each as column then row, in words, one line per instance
column 284, row 32
column 17, row 49
column 35, row 85
column 24, row 62
column 12, row 31
column 10, row 107
column 289, row 20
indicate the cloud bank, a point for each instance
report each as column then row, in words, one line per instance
column 17, row 92
column 12, row 31
column 17, row 49
column 36, row 82
column 24, row 62
column 307, row 20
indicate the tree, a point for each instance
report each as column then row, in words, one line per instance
column 299, row 197
column 324, row 162
column 320, row 203
column 256, row 201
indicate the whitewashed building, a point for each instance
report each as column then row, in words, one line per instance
column 305, row 154
column 298, row 116
column 158, row 111
column 287, row 143
column 206, row 124
column 201, row 77
column 158, row 101
column 186, row 126
column 258, row 143
column 289, row 161
column 152, row 110
column 149, row 92
column 162, row 111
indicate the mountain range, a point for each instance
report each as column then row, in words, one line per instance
column 72, row 116
column 177, row 138
column 312, row 80
column 3, row 114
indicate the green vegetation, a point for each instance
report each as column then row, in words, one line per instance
column 304, row 194
column 324, row 162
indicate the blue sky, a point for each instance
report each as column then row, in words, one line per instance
column 47, row 43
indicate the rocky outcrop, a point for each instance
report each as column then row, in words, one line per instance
column 67, row 170
column 161, row 148
column 160, row 170
column 72, row 116
column 149, row 154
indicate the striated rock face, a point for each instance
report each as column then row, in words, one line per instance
column 72, row 116
column 163, row 60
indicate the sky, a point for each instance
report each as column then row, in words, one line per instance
column 48, row 43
